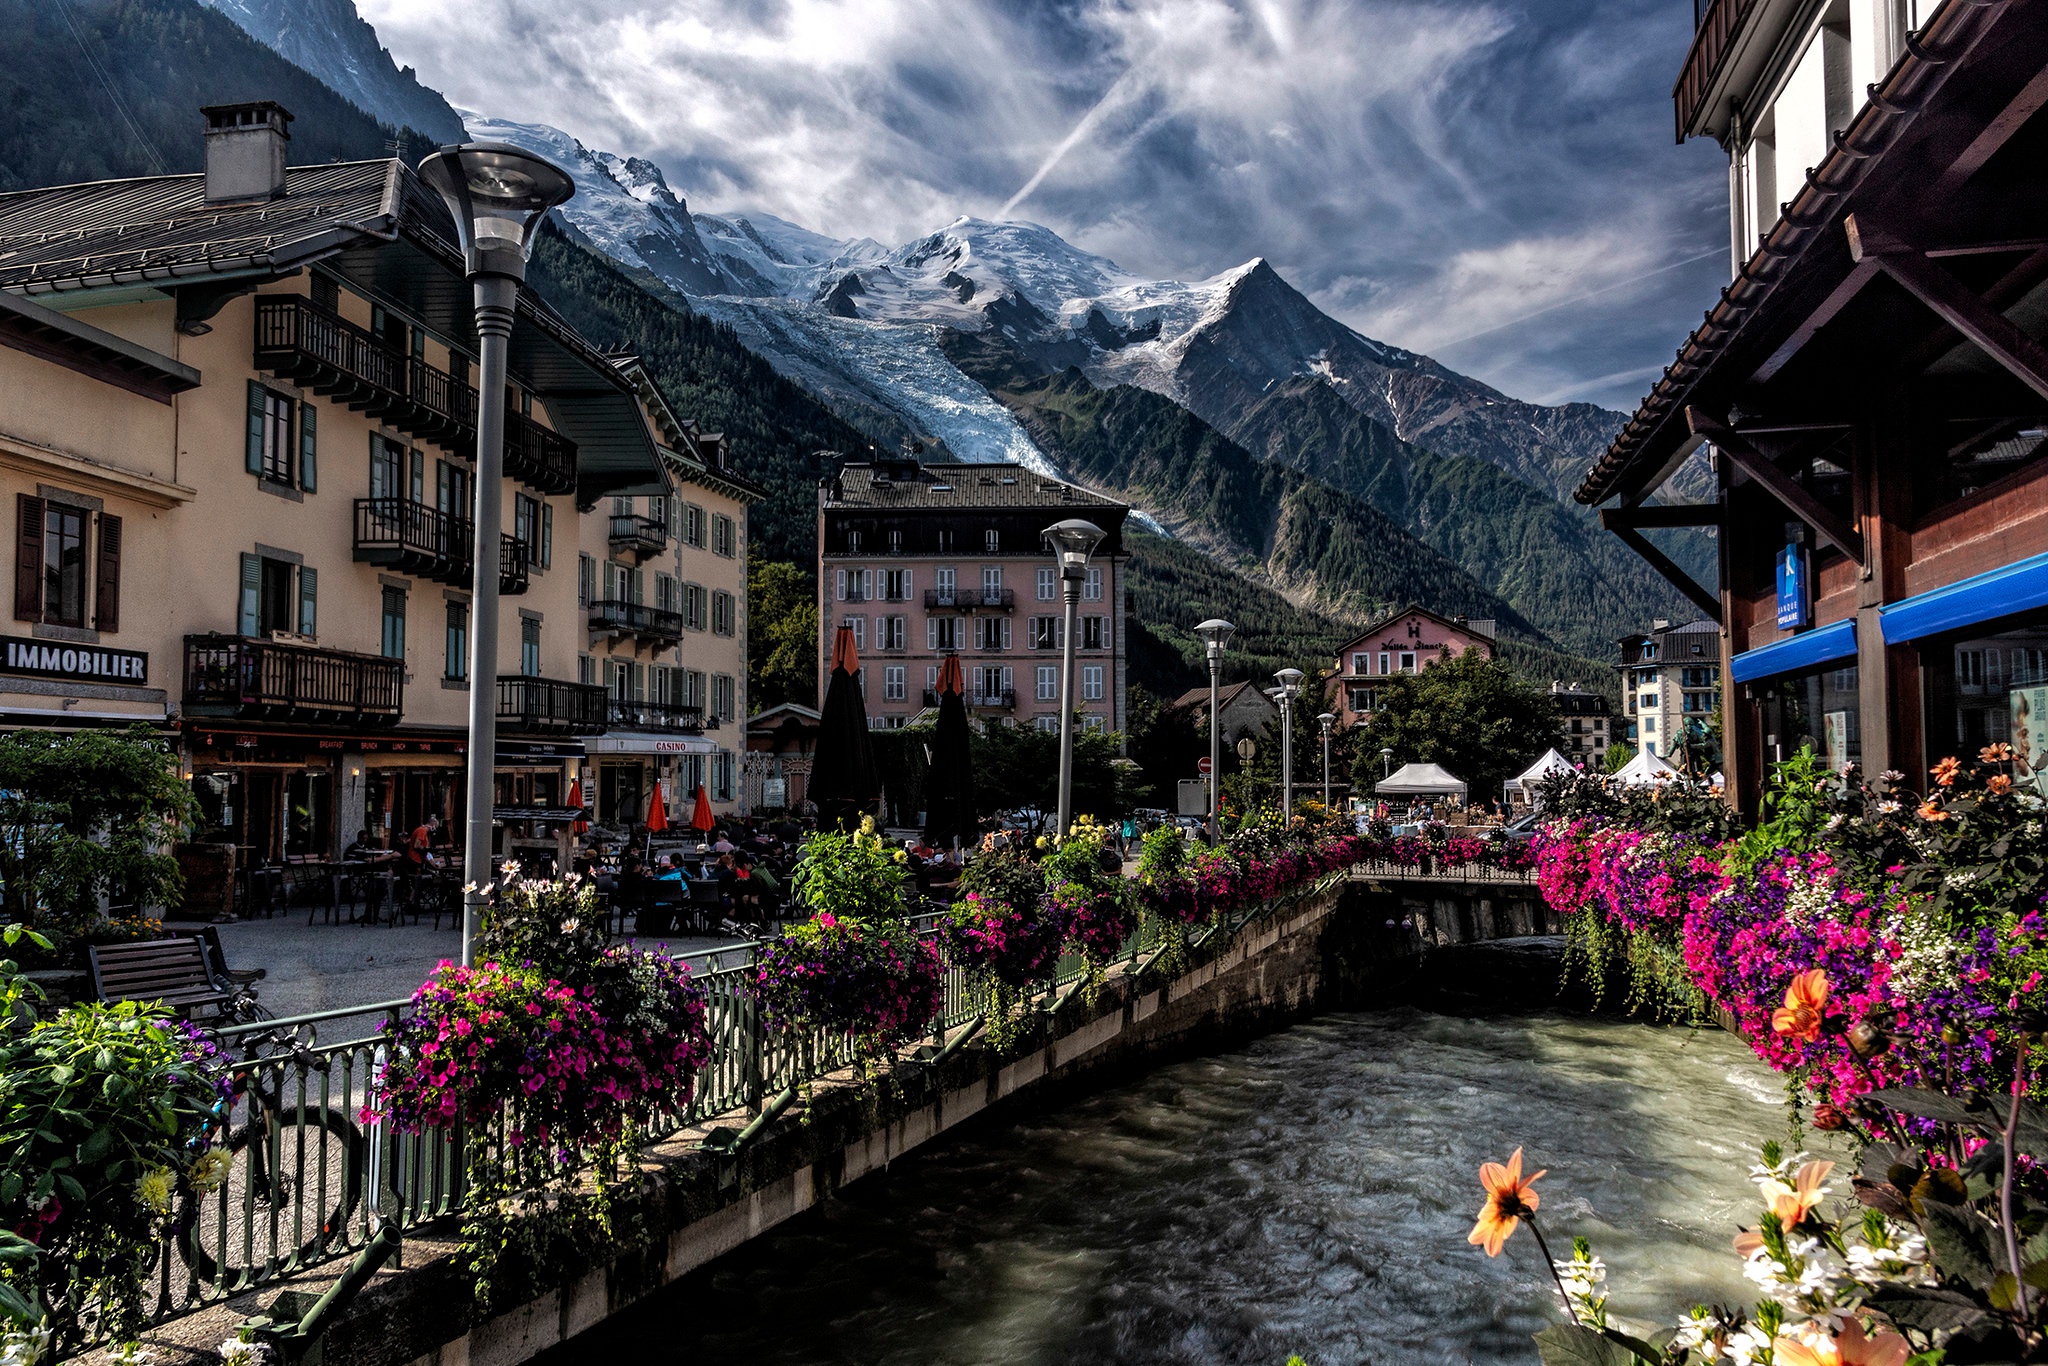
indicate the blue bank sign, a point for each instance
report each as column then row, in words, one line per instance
column 1795, row 595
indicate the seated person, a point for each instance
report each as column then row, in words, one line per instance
column 632, row 886
column 769, row 885
column 721, row 845
column 674, row 872
column 362, row 849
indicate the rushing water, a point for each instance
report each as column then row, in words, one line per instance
column 1308, row 1193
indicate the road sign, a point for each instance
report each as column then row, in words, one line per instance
column 1202, row 766
column 1246, row 749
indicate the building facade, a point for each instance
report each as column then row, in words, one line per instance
column 1245, row 710
column 928, row 561
column 1870, row 390
column 1406, row 642
column 1670, row 685
column 1588, row 723
column 237, row 423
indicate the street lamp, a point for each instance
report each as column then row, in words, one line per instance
column 1215, row 634
column 1289, row 689
column 1386, row 762
column 1326, row 720
column 1073, row 541
column 498, row 194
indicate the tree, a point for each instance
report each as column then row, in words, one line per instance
column 1166, row 744
column 1470, row 714
column 1019, row 766
column 1618, row 755
column 1308, row 749
column 782, row 635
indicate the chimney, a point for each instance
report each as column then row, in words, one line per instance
column 1661, row 624
column 245, row 146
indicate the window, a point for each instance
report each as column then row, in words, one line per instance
column 586, row 580
column 1048, row 724
column 1047, row 579
column 277, row 595
column 1649, row 651
column 394, row 623
column 1091, row 682
column 696, row 606
column 993, row 542
column 64, row 565
column 945, row 633
column 1362, row 700
column 1091, row 587
column 545, row 553
column 722, row 769
column 859, row 584
column 529, row 647
column 1094, row 633
column 992, row 584
column 275, row 453
column 723, row 694
column 992, row 633
column 586, row 670
column 1048, row 683
column 895, row 543
column 668, row 594
column 693, row 688
column 1407, row 661
column 327, row 292
column 455, row 658
column 725, row 539
column 1649, row 725
column 724, row 614
column 853, row 543
column 1048, row 633
column 896, row 585
column 526, row 525
column 451, row 489
column 890, row 632
column 1697, row 678
column 1384, row 658
column 892, row 683
column 860, row 631
column 1091, row 723
column 1649, row 701
column 945, row 542
column 693, row 525
column 1361, row 663
column 945, row 579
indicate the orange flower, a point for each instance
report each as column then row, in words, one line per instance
column 1945, row 772
column 1998, row 784
column 1998, row 752
column 1790, row 1203
column 1804, row 1000
column 1509, row 1196
column 1813, row 1347
column 1930, row 812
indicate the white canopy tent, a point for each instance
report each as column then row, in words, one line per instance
column 1523, row 784
column 1645, row 769
column 1420, row 780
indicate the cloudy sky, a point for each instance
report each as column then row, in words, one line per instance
column 1489, row 181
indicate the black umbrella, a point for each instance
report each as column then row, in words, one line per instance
column 844, row 780
column 949, row 788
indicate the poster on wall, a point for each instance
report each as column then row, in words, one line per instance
column 2030, row 738
column 1837, row 723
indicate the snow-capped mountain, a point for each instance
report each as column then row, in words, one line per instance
column 328, row 39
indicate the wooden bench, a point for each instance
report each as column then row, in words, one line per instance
column 173, row 971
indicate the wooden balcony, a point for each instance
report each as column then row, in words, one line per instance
column 550, row 706
column 639, row 537
column 304, row 342
column 649, row 625
column 637, row 714
column 249, row 679
column 1718, row 26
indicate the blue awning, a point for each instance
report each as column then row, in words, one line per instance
column 2018, row 587
column 1796, row 654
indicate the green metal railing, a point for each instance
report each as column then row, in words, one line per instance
column 310, row 1181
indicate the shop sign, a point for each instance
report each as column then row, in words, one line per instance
column 1795, row 597
column 542, row 751
column 649, row 744
column 74, row 663
column 399, row 746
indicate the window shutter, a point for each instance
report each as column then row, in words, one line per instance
column 309, row 426
column 908, row 589
column 28, row 558
column 107, row 591
column 547, row 535
column 255, row 445
column 1006, row 633
column 308, row 601
column 931, row 633
column 839, row 585
column 252, row 594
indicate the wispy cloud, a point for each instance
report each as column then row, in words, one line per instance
column 1493, row 177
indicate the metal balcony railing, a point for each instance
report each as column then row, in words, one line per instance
column 550, row 705
column 619, row 617
column 1005, row 700
column 638, row 536
column 537, row 456
column 970, row 599
column 636, row 714
column 251, row 679
column 514, row 561
column 414, row 538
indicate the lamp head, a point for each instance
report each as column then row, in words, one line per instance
column 1386, row 754
column 497, row 194
column 1073, row 541
column 1216, row 634
column 1326, row 720
column 1290, row 681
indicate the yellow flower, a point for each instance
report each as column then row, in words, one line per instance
column 153, row 1190
column 1042, row 841
column 902, row 857
column 210, row 1171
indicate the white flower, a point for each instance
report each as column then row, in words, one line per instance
column 235, row 1352
column 24, row 1346
column 1747, row 1346
column 1888, row 807
column 210, row 1171
column 128, row 1354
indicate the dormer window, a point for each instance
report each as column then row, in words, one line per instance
column 853, row 542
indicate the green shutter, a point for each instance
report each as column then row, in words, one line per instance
column 252, row 594
column 255, row 446
column 309, row 425
column 309, row 595
column 419, row 476
column 547, row 535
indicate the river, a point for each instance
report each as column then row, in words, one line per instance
column 1310, row 1193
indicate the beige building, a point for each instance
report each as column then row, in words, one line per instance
column 663, row 581
column 237, row 421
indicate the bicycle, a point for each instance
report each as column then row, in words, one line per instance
column 280, row 1150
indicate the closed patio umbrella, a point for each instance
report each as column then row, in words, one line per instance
column 844, row 780
column 700, row 815
column 576, row 803
column 949, row 790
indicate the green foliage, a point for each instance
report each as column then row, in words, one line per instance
column 1173, row 586
column 782, row 635
column 555, row 926
column 1166, row 745
column 1019, row 766
column 99, row 89
column 1470, row 714
column 1618, row 755
column 1162, row 857
column 1004, row 875
column 851, row 874
column 83, row 814
column 19, row 997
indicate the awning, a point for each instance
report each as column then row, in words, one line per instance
column 1420, row 780
column 637, row 742
column 2018, row 587
column 1796, row 654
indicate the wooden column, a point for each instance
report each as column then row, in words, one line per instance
column 1888, row 680
column 1743, row 511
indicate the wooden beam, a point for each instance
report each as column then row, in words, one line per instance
column 1663, row 515
column 1995, row 135
column 1955, row 304
column 1754, row 463
column 1659, row 561
column 1861, row 274
column 2004, row 292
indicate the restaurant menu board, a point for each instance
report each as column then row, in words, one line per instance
column 2030, row 738
column 1837, row 723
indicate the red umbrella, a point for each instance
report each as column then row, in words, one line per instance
column 576, row 803
column 701, row 818
column 657, row 811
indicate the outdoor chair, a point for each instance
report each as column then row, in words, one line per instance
column 707, row 905
column 173, row 971
column 662, row 909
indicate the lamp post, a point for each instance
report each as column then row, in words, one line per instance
column 1386, row 762
column 1326, row 721
column 1215, row 634
column 1073, row 541
column 1289, row 689
column 498, row 194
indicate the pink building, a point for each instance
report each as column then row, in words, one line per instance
column 924, row 561
column 1409, row 641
